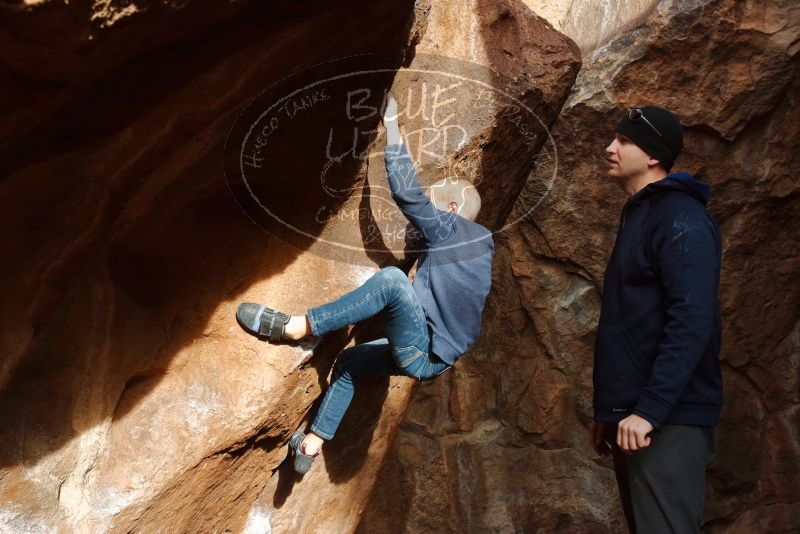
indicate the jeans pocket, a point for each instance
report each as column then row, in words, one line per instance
column 407, row 356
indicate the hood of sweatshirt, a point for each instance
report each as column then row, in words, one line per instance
column 681, row 181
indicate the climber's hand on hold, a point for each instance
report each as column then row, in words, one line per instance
column 390, row 113
column 389, row 121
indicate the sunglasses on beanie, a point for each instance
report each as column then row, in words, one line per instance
column 636, row 114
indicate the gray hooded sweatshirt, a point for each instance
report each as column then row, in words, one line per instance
column 454, row 271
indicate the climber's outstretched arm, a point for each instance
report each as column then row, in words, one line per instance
column 435, row 224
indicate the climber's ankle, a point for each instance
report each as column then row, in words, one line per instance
column 312, row 444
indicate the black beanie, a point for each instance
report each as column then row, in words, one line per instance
column 665, row 147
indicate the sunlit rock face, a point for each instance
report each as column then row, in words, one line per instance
column 130, row 400
column 499, row 444
column 592, row 24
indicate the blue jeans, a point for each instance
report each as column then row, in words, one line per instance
column 404, row 351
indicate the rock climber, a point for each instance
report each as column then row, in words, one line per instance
column 429, row 323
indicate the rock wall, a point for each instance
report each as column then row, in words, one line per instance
column 592, row 24
column 500, row 443
column 130, row 401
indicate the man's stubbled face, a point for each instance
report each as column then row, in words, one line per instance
column 625, row 159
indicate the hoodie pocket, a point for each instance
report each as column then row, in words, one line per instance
column 616, row 360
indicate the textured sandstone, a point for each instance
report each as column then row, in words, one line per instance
column 500, row 443
column 592, row 24
column 130, row 401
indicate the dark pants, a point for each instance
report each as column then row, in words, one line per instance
column 662, row 487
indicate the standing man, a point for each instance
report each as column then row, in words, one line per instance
column 657, row 382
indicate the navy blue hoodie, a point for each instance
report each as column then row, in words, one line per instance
column 657, row 344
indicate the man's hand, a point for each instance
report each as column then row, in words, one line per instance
column 597, row 433
column 632, row 433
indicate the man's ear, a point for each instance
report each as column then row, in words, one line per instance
column 652, row 162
